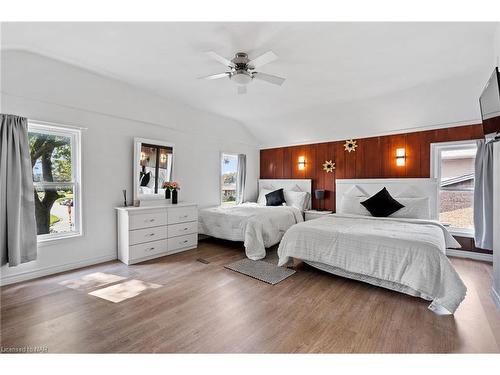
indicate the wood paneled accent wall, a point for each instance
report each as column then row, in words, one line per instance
column 375, row 157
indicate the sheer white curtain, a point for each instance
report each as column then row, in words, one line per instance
column 17, row 203
column 483, row 196
column 242, row 176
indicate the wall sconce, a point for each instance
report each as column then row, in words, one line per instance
column 163, row 158
column 302, row 163
column 400, row 157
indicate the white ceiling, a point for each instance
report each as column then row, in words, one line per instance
column 343, row 79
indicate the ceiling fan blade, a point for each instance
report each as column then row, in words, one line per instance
column 220, row 59
column 275, row 80
column 266, row 58
column 215, row 76
column 242, row 90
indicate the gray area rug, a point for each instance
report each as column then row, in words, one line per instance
column 264, row 270
column 272, row 255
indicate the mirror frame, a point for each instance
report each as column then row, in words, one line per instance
column 137, row 152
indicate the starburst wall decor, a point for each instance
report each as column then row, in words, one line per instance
column 328, row 166
column 350, row 145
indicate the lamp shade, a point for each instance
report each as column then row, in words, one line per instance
column 319, row 194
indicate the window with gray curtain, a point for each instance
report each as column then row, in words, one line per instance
column 54, row 153
column 453, row 166
column 18, row 242
column 241, row 178
column 483, row 196
column 233, row 178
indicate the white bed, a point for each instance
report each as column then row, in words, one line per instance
column 256, row 225
column 399, row 253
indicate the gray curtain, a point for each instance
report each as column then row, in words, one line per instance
column 242, row 177
column 483, row 196
column 17, row 204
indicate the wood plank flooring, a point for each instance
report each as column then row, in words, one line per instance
column 204, row 308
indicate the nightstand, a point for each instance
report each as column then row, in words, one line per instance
column 313, row 214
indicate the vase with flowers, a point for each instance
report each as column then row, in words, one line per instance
column 171, row 189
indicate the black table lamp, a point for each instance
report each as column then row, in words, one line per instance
column 319, row 195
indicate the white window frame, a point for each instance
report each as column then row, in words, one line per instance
column 222, row 153
column 75, row 136
column 436, row 150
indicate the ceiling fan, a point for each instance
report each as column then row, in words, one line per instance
column 241, row 69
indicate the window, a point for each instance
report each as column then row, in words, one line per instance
column 229, row 177
column 55, row 162
column 453, row 166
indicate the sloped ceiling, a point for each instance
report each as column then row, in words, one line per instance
column 343, row 79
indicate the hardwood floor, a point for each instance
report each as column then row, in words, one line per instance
column 206, row 308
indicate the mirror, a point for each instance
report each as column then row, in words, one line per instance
column 153, row 166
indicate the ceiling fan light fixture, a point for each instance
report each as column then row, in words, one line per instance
column 241, row 77
column 241, row 70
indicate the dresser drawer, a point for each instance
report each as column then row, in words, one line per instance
column 147, row 249
column 182, row 214
column 147, row 235
column 182, row 229
column 147, row 220
column 180, row 242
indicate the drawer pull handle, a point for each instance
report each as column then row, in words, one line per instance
column 185, row 241
column 186, row 229
column 151, row 234
column 150, row 249
column 183, row 217
column 150, row 220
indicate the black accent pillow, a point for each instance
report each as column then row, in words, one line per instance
column 144, row 178
column 382, row 204
column 275, row 198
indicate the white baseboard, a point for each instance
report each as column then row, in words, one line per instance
column 469, row 255
column 28, row 275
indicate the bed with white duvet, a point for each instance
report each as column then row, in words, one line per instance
column 405, row 254
column 258, row 226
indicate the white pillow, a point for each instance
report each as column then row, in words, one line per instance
column 151, row 183
column 352, row 205
column 414, row 208
column 298, row 199
column 356, row 191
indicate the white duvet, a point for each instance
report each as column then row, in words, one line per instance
column 257, row 226
column 407, row 255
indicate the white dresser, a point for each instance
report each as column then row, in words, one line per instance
column 155, row 231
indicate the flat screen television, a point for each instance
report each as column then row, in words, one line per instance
column 490, row 106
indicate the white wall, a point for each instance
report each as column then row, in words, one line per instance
column 114, row 113
column 496, row 47
column 496, row 225
column 445, row 103
column 496, row 191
